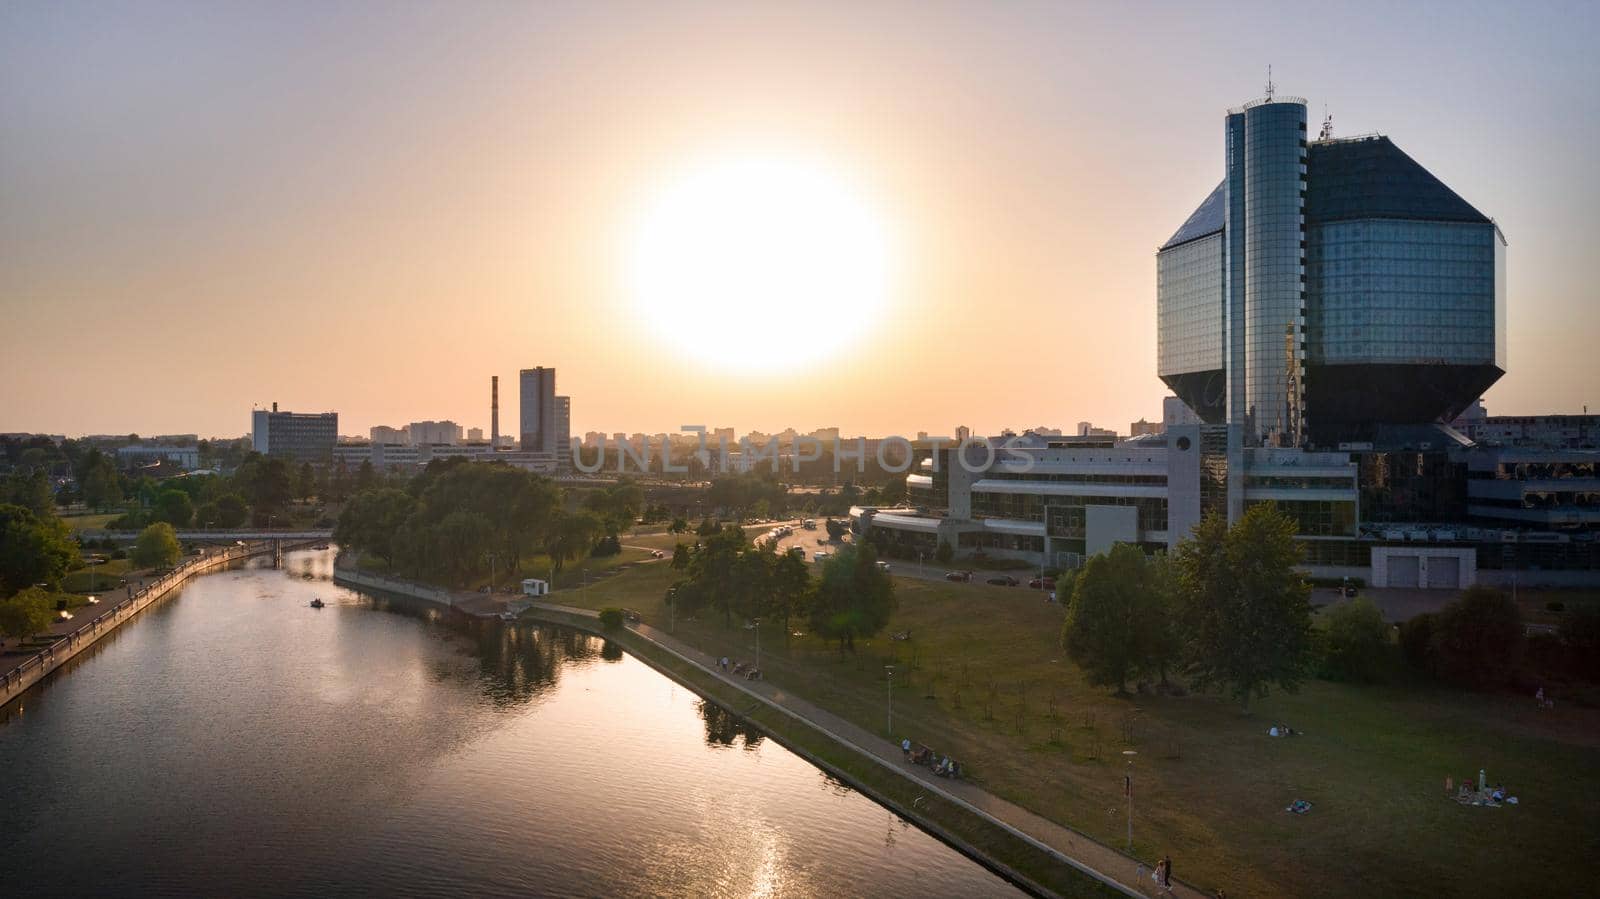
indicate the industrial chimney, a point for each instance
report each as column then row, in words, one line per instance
column 494, row 412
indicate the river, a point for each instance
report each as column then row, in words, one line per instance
column 236, row 742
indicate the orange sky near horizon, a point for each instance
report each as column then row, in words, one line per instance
column 372, row 208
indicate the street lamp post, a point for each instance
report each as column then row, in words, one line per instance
column 1127, row 786
column 889, row 673
column 758, row 643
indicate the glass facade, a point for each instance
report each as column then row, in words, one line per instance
column 1189, row 307
column 1318, row 518
column 1273, row 267
column 1392, row 291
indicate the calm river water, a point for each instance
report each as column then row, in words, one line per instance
column 236, row 742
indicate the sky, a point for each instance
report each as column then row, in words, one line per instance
column 373, row 207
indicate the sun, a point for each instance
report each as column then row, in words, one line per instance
column 758, row 265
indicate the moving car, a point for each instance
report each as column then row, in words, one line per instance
column 960, row 577
column 883, row 566
column 1004, row 580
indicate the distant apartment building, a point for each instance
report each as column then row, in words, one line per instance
column 137, row 455
column 434, row 432
column 1534, row 431
column 538, row 410
column 301, row 436
column 563, row 429
column 1087, row 429
column 1142, row 427
column 385, row 434
column 475, row 435
column 399, row 459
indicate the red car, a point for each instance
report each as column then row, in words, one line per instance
column 1042, row 583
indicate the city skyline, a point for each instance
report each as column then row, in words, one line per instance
column 330, row 238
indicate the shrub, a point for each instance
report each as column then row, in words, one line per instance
column 157, row 546
column 1416, row 642
column 1356, row 645
column 1477, row 639
column 1580, row 631
column 611, row 618
column 606, row 546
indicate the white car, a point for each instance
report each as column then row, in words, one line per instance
column 820, row 556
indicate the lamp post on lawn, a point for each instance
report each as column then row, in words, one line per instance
column 758, row 642
column 1127, row 787
column 888, row 671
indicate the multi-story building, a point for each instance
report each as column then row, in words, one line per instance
column 401, row 458
column 1321, row 315
column 303, row 437
column 475, row 435
column 563, row 430
column 1142, row 427
column 386, row 434
column 434, row 432
column 538, row 413
column 134, row 455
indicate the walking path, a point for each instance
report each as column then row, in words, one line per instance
column 1094, row 858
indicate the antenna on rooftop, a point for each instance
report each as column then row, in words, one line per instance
column 1327, row 124
column 1269, row 81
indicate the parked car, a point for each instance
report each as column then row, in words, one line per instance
column 884, row 567
column 1042, row 583
column 820, row 556
column 960, row 577
column 1004, row 580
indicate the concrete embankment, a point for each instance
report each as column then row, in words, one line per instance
column 16, row 681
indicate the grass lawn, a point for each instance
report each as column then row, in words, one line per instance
column 89, row 521
column 983, row 680
column 96, row 579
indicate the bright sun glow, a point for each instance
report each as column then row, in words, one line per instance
column 758, row 264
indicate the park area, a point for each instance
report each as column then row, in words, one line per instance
column 982, row 678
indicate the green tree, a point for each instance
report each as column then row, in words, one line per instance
column 1477, row 640
column 570, row 537
column 371, row 522
column 306, row 482
column 1245, row 609
column 463, row 537
column 1356, row 644
column 175, row 508
column 268, row 484
column 232, row 511
column 35, row 492
column 678, row 526
column 791, row 589
column 366, row 477
column 157, row 547
column 33, row 550
column 102, row 488
column 836, row 529
column 680, row 557
column 854, row 598
column 26, row 614
column 1112, row 617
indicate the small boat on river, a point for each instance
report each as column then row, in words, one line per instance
column 317, row 603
